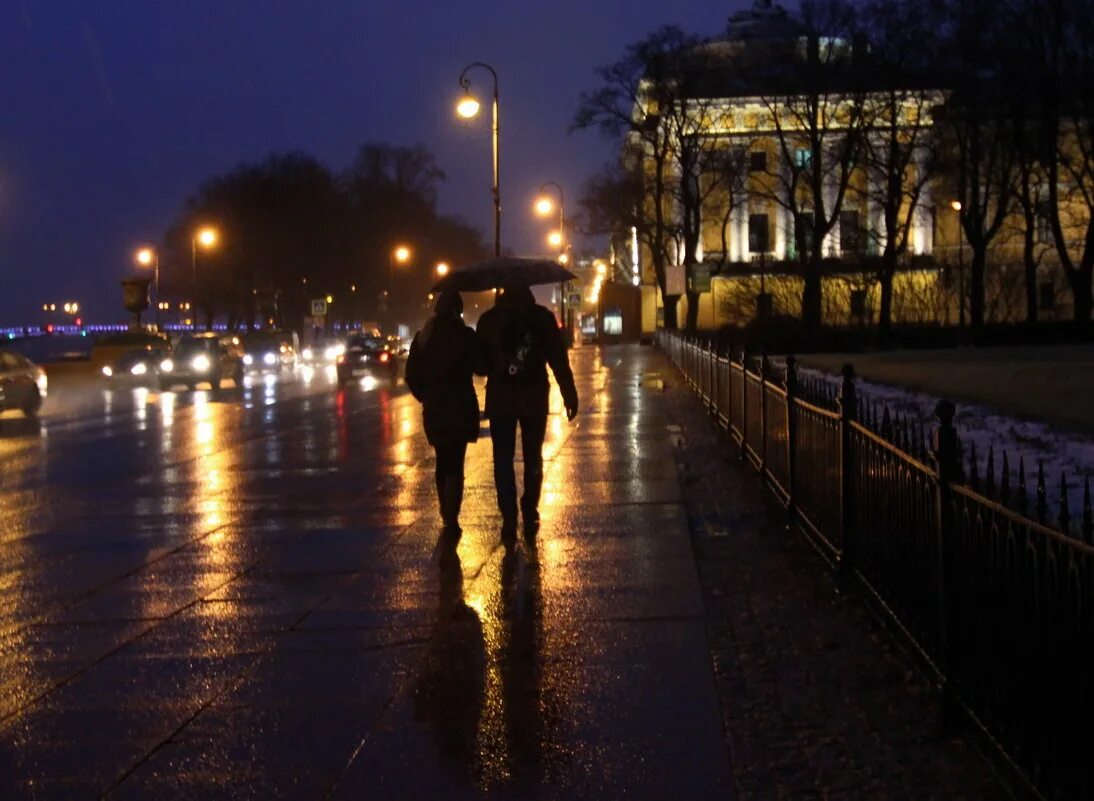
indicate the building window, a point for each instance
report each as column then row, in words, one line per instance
column 850, row 233
column 803, row 157
column 1043, row 227
column 858, row 304
column 758, row 237
column 803, row 233
column 613, row 322
column 1047, row 292
column 757, row 161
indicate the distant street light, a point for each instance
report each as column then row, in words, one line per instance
column 956, row 206
column 150, row 257
column 544, row 206
column 207, row 237
column 554, row 239
column 468, row 108
column 442, row 269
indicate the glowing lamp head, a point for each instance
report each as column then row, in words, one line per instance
column 956, row 205
column 601, row 269
column 563, row 258
column 544, row 206
column 145, row 257
column 442, row 269
column 554, row 239
column 207, row 237
column 402, row 254
column 468, row 107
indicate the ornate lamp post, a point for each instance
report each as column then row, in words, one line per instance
column 468, row 108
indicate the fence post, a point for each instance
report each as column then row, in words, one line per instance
column 764, row 370
column 948, row 468
column 713, row 380
column 847, row 406
column 729, row 391
column 791, row 384
column 744, row 404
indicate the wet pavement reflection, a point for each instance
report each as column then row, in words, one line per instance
column 241, row 594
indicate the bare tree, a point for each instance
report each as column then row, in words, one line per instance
column 816, row 111
column 635, row 92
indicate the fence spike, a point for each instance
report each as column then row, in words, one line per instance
column 1023, row 497
column 989, row 477
column 1042, row 493
column 886, row 425
column 1065, row 515
column 974, row 479
column 1004, row 481
column 1088, row 516
column 924, row 446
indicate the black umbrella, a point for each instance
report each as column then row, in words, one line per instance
column 501, row 271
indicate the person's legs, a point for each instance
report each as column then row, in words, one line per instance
column 450, row 460
column 503, row 437
column 533, row 430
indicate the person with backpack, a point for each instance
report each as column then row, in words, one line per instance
column 443, row 358
column 521, row 339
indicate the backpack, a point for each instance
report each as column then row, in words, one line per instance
column 519, row 346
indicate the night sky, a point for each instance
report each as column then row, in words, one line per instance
column 113, row 111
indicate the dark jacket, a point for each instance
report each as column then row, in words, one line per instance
column 443, row 357
column 507, row 396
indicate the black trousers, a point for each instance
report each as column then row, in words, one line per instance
column 450, row 457
column 503, row 433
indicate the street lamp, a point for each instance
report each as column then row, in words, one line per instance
column 207, row 237
column 150, row 257
column 544, row 206
column 468, row 108
column 956, row 206
column 442, row 269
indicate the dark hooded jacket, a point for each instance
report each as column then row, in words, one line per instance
column 507, row 396
column 443, row 358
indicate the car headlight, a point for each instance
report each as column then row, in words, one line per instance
column 270, row 359
column 334, row 351
column 307, row 354
column 201, row 363
column 107, row 371
column 140, row 368
column 248, row 359
column 167, row 365
column 43, row 383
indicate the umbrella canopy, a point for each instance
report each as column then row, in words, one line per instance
column 501, row 271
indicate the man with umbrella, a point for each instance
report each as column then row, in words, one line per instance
column 521, row 339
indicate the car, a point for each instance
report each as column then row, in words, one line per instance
column 140, row 367
column 23, row 384
column 265, row 351
column 202, row 358
column 107, row 350
column 368, row 355
column 323, row 351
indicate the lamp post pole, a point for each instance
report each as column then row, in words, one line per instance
column 465, row 84
column 564, row 246
column 960, row 209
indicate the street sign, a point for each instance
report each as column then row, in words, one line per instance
column 574, row 300
column 319, row 307
column 699, row 277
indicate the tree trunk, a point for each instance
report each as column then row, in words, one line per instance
column 1083, row 299
column 692, row 322
column 976, row 288
column 670, row 312
column 885, row 311
column 811, row 298
column 1029, row 263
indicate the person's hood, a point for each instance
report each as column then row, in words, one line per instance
column 518, row 297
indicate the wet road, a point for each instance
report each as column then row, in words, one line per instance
column 241, row 595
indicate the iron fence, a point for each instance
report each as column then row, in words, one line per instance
column 998, row 601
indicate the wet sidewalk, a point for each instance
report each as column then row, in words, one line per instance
column 223, row 600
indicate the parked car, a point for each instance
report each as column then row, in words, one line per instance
column 265, row 351
column 140, row 367
column 368, row 355
column 23, row 384
column 202, row 358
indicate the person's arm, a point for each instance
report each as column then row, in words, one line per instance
column 480, row 354
column 413, row 372
column 559, row 359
